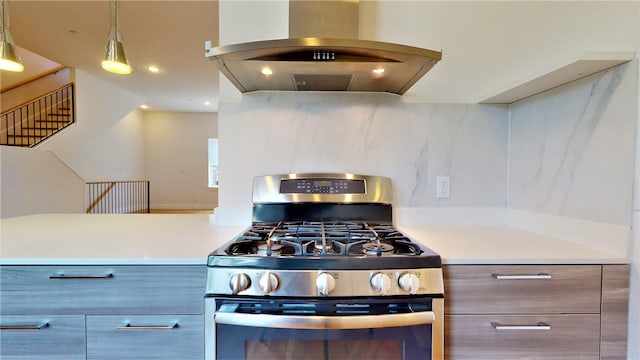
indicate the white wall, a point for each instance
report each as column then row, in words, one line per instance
column 99, row 107
column 487, row 45
column 113, row 140
column 104, row 143
column 34, row 89
column 117, row 153
column 36, row 181
column 176, row 150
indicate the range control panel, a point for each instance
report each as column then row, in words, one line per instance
column 322, row 186
column 333, row 283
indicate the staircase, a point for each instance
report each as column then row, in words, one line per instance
column 117, row 197
column 29, row 124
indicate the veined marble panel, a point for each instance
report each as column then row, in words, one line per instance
column 410, row 143
column 572, row 148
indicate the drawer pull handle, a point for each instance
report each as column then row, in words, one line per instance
column 61, row 275
column 128, row 326
column 540, row 276
column 538, row 326
column 40, row 326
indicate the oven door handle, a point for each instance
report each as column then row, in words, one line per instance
column 315, row 322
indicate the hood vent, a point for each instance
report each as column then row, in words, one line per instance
column 329, row 63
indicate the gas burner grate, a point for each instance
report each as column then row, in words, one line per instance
column 310, row 238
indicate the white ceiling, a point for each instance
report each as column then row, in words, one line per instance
column 168, row 34
column 509, row 50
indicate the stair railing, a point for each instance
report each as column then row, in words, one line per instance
column 32, row 122
column 118, row 197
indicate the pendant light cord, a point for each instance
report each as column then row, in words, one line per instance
column 114, row 19
column 3, row 15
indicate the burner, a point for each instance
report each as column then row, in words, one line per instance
column 263, row 249
column 376, row 248
column 328, row 248
column 246, row 246
column 320, row 246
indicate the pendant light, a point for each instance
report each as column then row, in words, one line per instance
column 115, row 61
column 9, row 59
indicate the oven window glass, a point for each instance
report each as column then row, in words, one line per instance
column 320, row 350
column 249, row 342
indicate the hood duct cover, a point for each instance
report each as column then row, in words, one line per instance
column 322, row 64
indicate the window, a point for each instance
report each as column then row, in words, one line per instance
column 213, row 163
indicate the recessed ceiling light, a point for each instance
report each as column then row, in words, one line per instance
column 207, row 103
column 378, row 71
column 152, row 68
column 266, row 71
column 144, row 106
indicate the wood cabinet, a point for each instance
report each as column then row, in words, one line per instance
column 614, row 311
column 86, row 307
column 153, row 337
column 42, row 337
column 543, row 336
column 102, row 289
column 536, row 311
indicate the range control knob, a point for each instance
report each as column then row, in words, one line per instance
column 325, row 283
column 380, row 283
column 269, row 282
column 239, row 282
column 409, row 283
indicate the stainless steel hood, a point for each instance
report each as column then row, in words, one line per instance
column 317, row 56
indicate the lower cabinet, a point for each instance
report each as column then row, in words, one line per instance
column 145, row 337
column 102, row 312
column 536, row 311
column 42, row 337
column 156, row 312
column 523, row 337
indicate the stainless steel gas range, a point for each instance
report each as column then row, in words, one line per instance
column 322, row 273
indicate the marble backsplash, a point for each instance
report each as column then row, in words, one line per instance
column 572, row 148
column 273, row 133
column 567, row 152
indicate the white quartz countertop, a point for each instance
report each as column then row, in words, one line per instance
column 505, row 245
column 154, row 239
column 127, row 239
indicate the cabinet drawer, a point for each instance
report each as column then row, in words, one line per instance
column 42, row 337
column 522, row 337
column 511, row 289
column 145, row 337
column 102, row 289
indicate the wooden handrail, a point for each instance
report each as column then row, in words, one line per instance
column 36, row 98
column 37, row 77
column 102, row 195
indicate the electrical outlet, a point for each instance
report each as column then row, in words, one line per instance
column 443, row 187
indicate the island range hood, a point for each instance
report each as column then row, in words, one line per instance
column 323, row 53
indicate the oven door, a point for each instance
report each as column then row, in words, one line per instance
column 323, row 329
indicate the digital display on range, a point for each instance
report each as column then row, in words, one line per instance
column 322, row 183
column 322, row 186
